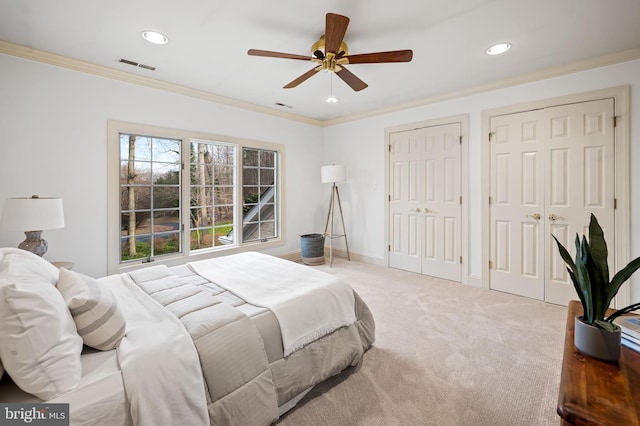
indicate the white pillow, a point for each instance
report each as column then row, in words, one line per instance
column 40, row 348
column 94, row 309
column 17, row 261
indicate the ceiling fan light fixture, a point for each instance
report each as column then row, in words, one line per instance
column 498, row 49
column 332, row 100
column 154, row 37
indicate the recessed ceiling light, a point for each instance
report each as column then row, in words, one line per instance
column 498, row 49
column 155, row 37
column 332, row 100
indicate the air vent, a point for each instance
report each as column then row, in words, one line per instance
column 136, row 64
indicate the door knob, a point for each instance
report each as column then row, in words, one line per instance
column 552, row 216
column 535, row 216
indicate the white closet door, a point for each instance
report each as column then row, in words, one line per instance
column 517, row 204
column 580, row 180
column 405, row 205
column 424, row 206
column 441, row 202
column 550, row 169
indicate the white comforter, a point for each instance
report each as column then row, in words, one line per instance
column 159, row 362
column 305, row 312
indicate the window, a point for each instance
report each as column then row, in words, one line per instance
column 180, row 194
column 149, row 196
column 212, row 194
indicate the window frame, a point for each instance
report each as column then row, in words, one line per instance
column 115, row 128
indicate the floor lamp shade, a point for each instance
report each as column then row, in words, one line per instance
column 333, row 174
column 32, row 216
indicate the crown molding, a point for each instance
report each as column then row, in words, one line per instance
column 601, row 61
column 112, row 73
column 140, row 80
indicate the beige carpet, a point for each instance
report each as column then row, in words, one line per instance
column 445, row 354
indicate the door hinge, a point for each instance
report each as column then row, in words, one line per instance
column 389, row 248
column 461, row 260
column 389, row 147
column 615, row 120
column 489, row 200
column 460, row 139
column 490, row 265
column 491, row 135
column 461, row 199
column 615, row 203
column 182, row 165
column 389, row 197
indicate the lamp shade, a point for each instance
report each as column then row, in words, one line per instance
column 32, row 214
column 333, row 174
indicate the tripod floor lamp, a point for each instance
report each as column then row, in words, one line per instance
column 334, row 174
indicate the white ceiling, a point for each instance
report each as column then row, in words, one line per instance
column 209, row 40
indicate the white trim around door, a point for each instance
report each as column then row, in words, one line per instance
column 463, row 121
column 622, row 173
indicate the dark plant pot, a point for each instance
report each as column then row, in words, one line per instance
column 597, row 342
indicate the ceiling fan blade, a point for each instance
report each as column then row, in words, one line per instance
column 302, row 78
column 336, row 27
column 270, row 54
column 381, row 57
column 350, row 78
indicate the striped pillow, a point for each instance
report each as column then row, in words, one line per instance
column 94, row 309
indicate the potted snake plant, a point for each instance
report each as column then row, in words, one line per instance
column 595, row 333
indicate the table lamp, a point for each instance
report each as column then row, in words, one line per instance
column 33, row 215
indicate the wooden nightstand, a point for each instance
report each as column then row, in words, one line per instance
column 594, row 392
column 66, row 265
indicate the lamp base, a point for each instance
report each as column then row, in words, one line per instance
column 34, row 243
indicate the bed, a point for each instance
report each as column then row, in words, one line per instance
column 233, row 340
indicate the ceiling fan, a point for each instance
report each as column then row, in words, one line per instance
column 332, row 54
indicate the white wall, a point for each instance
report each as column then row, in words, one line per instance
column 53, row 138
column 360, row 146
column 53, row 135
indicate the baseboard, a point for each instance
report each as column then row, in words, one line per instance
column 296, row 256
column 474, row 281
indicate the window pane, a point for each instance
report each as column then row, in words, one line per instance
column 250, row 157
column 267, row 176
column 200, row 195
column 267, row 230
column 141, row 146
column 166, row 220
column 223, row 215
column 135, row 247
column 166, row 243
column 223, row 175
column 267, row 193
column 165, row 197
column 201, row 238
column 165, row 150
column 267, row 159
column 250, row 176
column 166, row 174
column 224, row 234
column 141, row 197
column 139, row 224
column 223, row 196
column 140, row 173
column 201, row 217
